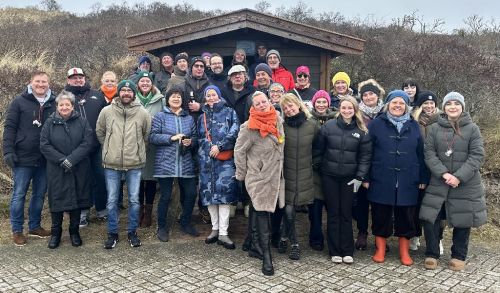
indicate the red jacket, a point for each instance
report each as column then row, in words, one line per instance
column 284, row 77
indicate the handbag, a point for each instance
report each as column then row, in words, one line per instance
column 223, row 155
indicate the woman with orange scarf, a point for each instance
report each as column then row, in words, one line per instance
column 258, row 157
column 109, row 85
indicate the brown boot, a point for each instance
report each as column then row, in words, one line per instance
column 404, row 251
column 141, row 215
column 146, row 220
column 379, row 255
column 456, row 265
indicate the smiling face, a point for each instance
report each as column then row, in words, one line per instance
column 263, row 79
column 346, row 109
column 145, row 85
column 397, row 107
column 40, row 84
column 370, row 99
column 261, row 103
column 291, row 109
column 109, row 81
column 76, row 80
column 65, row 108
column 341, row 87
column 126, row 95
column 321, row 105
column 302, row 79
column 167, row 61
column 239, row 56
column 145, row 66
column 182, row 64
column 428, row 107
column 212, row 97
column 175, row 101
column 273, row 61
column 453, row 109
column 216, row 64
column 275, row 94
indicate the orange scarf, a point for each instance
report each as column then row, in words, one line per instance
column 109, row 94
column 265, row 122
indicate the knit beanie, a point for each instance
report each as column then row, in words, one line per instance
column 181, row 56
column 341, row 76
column 454, row 96
column 166, row 54
column 275, row 52
column 303, row 69
column 369, row 88
column 397, row 94
column 143, row 59
column 206, row 54
column 212, row 87
column 321, row 94
column 194, row 60
column 144, row 74
column 425, row 96
column 127, row 83
column 264, row 67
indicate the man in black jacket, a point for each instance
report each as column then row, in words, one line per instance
column 21, row 151
column 238, row 92
column 89, row 103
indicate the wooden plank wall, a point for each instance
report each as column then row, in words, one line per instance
column 293, row 54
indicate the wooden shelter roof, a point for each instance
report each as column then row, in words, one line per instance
column 245, row 19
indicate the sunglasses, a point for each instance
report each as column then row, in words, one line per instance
column 199, row 66
column 303, row 75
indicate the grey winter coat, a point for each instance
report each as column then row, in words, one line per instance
column 465, row 205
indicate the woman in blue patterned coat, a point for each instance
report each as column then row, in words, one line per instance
column 218, row 129
column 173, row 132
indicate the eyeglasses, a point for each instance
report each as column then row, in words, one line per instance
column 125, row 90
column 303, row 75
column 199, row 66
column 276, row 92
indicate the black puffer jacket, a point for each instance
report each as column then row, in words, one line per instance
column 71, row 139
column 346, row 149
column 21, row 134
column 240, row 101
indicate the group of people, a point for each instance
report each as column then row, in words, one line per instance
column 254, row 134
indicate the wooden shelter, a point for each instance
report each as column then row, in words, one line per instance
column 298, row 44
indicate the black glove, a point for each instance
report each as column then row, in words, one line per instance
column 66, row 164
column 10, row 159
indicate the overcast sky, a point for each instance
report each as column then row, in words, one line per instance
column 453, row 12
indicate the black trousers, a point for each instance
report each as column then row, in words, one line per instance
column 288, row 231
column 390, row 220
column 338, row 199
column 147, row 191
column 57, row 220
column 418, row 224
column 361, row 210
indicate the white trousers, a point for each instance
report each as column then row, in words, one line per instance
column 219, row 214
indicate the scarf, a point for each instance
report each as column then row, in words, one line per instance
column 78, row 91
column 302, row 87
column 297, row 120
column 145, row 100
column 40, row 100
column 398, row 121
column 371, row 112
column 265, row 122
column 109, row 94
column 179, row 72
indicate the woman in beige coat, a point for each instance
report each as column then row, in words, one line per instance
column 258, row 157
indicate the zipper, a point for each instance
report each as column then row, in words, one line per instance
column 297, row 167
column 123, row 134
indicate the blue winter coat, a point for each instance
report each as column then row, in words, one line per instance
column 217, row 180
column 397, row 160
column 171, row 159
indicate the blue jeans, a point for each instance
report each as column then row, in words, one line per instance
column 187, row 189
column 133, row 180
column 22, row 178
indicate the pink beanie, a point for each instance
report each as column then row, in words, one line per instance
column 321, row 94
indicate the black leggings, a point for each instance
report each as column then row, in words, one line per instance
column 147, row 191
column 402, row 224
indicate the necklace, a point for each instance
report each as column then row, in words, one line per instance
column 449, row 150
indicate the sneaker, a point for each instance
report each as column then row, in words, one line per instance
column 112, row 240
column 39, row 232
column 347, row 259
column 282, row 246
column 430, row 263
column 441, row 248
column 294, row 252
column 84, row 223
column 19, row 238
column 162, row 234
column 414, row 243
column 133, row 239
column 337, row 259
column 213, row 237
column 190, row 230
column 226, row 242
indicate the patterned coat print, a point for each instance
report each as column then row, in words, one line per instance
column 172, row 160
column 218, row 184
column 259, row 162
column 466, row 204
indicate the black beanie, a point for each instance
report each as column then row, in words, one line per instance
column 166, row 54
column 424, row 96
column 181, row 56
column 369, row 88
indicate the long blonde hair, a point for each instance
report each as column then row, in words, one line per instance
column 358, row 117
column 291, row 98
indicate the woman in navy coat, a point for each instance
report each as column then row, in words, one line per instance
column 397, row 173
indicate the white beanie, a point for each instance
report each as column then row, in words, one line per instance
column 454, row 96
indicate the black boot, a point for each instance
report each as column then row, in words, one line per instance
column 255, row 248
column 264, row 235
column 56, row 230
column 74, row 233
column 248, row 240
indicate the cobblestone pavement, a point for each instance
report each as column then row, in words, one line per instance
column 187, row 265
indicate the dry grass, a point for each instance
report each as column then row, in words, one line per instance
column 13, row 16
column 491, row 136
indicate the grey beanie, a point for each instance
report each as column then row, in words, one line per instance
column 275, row 52
column 454, row 96
column 264, row 67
